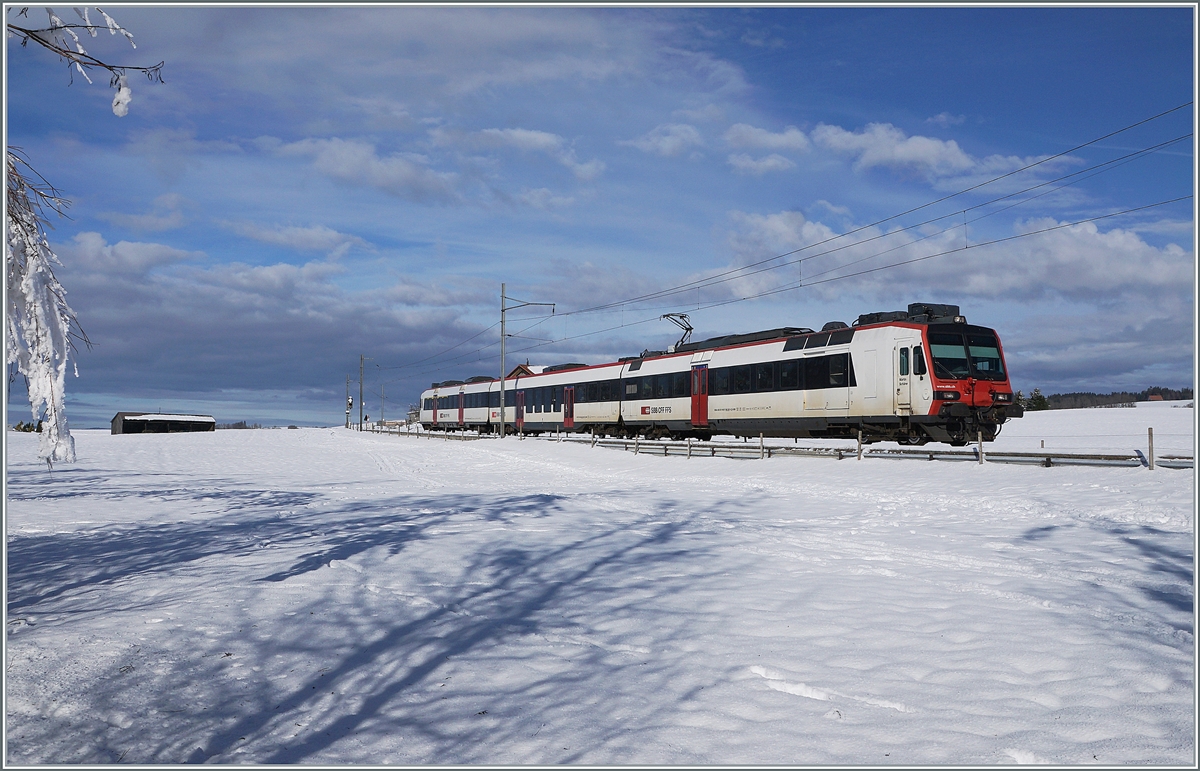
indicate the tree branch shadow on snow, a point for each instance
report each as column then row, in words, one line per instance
column 505, row 595
column 508, row 591
column 1163, row 573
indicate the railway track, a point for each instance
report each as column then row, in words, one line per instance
column 762, row 450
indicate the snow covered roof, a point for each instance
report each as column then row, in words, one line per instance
column 164, row 416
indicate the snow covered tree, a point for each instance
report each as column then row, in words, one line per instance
column 39, row 323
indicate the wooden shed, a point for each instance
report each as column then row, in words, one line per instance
column 159, row 423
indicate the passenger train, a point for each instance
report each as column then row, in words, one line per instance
column 912, row 376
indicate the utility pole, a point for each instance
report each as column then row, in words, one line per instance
column 349, row 402
column 382, row 400
column 361, row 359
column 503, row 337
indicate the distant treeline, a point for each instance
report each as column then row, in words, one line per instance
column 1080, row 399
column 239, row 424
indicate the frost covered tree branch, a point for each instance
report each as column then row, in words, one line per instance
column 40, row 327
column 54, row 38
column 39, row 323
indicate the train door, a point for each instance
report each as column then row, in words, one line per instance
column 837, row 395
column 437, row 402
column 568, row 407
column 920, row 388
column 700, row 396
column 462, row 400
column 901, row 364
column 520, row 417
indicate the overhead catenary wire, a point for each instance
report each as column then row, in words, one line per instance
column 692, row 284
column 744, row 272
column 741, row 271
column 795, row 286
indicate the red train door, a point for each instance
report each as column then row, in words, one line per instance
column 437, row 402
column 700, row 396
column 569, row 407
column 462, row 398
column 520, row 410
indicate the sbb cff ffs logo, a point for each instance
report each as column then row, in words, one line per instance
column 655, row 410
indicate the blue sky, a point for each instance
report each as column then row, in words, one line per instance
column 312, row 184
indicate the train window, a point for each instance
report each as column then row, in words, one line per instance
column 985, row 356
column 634, row 366
column 949, row 355
column 679, row 384
column 631, row 388
column 794, row 343
column 741, row 379
column 510, row 398
column 903, row 361
column 764, row 376
column 841, row 336
column 918, row 361
column 720, row 380
column 789, row 375
column 662, row 386
column 818, row 340
column 816, row 372
column 837, row 370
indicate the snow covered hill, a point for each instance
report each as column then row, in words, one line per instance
column 324, row 596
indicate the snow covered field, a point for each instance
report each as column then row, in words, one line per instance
column 324, row 596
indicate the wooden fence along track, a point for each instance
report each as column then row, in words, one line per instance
column 761, row 450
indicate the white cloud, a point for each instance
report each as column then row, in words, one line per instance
column 543, row 198
column 1080, row 264
column 89, row 251
column 315, row 238
column 841, row 211
column 355, row 162
column 528, row 140
column 710, row 113
column 165, row 214
column 745, row 135
column 882, row 144
column 669, row 139
column 744, row 164
column 170, row 152
column 946, row 120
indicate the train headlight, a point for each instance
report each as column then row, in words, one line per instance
column 1003, row 397
column 950, row 396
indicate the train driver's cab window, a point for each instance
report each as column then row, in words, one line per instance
column 903, row 361
column 949, row 355
column 985, row 356
column 918, row 361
